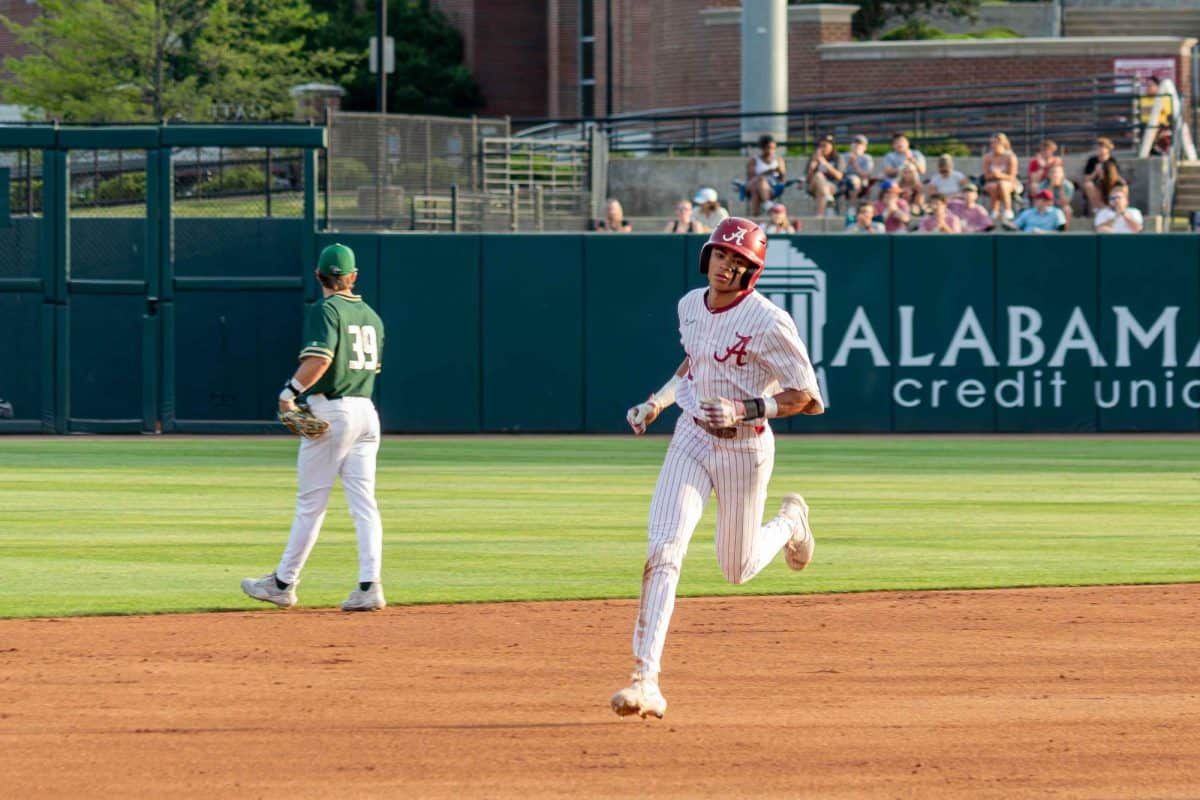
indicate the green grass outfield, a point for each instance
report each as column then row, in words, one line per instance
column 151, row 524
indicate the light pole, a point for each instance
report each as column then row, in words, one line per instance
column 380, row 45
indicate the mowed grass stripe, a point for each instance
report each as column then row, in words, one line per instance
column 157, row 524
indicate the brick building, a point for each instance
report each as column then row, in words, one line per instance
column 21, row 12
column 538, row 58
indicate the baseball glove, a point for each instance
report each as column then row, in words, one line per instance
column 303, row 422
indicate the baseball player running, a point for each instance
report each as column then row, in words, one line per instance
column 744, row 364
column 343, row 348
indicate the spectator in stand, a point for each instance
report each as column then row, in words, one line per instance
column 1119, row 216
column 1162, row 136
column 902, row 154
column 1000, row 176
column 892, row 208
column 763, row 172
column 824, row 172
column 1041, row 163
column 777, row 221
column 947, row 181
column 614, row 218
column 911, row 189
column 1093, row 173
column 709, row 212
column 939, row 219
column 975, row 217
column 864, row 220
column 1062, row 189
column 858, row 168
column 1044, row 217
column 683, row 222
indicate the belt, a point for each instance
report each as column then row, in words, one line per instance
column 724, row 433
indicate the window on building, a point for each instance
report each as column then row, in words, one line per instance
column 587, row 59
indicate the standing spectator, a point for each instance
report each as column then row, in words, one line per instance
column 1044, row 217
column 902, row 154
column 614, row 218
column 1041, row 163
column 1062, row 189
column 911, row 190
column 947, row 181
column 1000, row 176
column 864, row 220
column 892, row 208
column 825, row 170
column 763, row 173
column 683, row 222
column 1119, row 216
column 975, row 217
column 778, row 221
column 709, row 212
column 939, row 219
column 1161, row 126
column 1093, row 173
column 858, row 168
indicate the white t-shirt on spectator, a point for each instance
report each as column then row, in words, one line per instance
column 896, row 161
column 947, row 184
column 1107, row 215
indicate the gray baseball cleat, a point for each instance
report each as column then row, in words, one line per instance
column 370, row 600
column 642, row 697
column 798, row 551
column 267, row 590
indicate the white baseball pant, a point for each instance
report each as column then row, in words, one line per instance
column 349, row 449
column 697, row 463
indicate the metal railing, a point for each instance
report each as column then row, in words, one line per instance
column 1071, row 111
column 518, row 209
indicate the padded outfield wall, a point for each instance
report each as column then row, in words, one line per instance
column 562, row 332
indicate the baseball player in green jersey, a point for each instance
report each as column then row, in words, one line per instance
column 343, row 347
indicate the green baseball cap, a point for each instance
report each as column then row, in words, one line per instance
column 337, row 259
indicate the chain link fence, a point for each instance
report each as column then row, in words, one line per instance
column 24, row 181
column 400, row 172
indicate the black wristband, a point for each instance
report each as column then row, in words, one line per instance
column 755, row 409
column 295, row 387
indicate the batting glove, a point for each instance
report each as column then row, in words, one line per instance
column 722, row 413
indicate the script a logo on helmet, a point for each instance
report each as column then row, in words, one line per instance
column 736, row 236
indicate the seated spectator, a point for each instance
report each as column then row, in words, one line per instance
column 891, row 208
column 1119, row 216
column 1044, row 217
column 859, row 165
column 864, row 220
column 1093, row 173
column 902, row 154
column 911, row 189
column 683, row 222
column 939, row 219
column 1162, row 134
column 824, row 172
column 614, row 218
column 1000, row 176
column 763, row 172
column 975, row 217
column 947, row 181
column 1041, row 163
column 709, row 212
column 1062, row 189
column 777, row 221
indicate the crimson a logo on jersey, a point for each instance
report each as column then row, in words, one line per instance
column 738, row 349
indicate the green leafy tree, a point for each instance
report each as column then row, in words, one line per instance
column 148, row 60
column 430, row 76
column 873, row 14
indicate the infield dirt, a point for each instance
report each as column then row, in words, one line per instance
column 1068, row 693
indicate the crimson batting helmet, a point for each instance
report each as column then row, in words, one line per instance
column 741, row 236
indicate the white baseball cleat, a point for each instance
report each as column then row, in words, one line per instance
column 642, row 697
column 370, row 600
column 798, row 551
column 267, row 590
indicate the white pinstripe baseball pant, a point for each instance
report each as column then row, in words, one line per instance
column 697, row 463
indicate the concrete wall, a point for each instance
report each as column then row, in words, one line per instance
column 650, row 187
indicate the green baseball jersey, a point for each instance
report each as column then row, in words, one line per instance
column 348, row 331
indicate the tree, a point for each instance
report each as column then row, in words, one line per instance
column 872, row 14
column 149, row 60
column 430, row 76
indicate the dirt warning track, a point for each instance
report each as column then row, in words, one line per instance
column 1065, row 693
